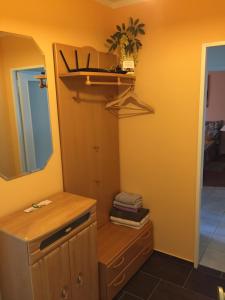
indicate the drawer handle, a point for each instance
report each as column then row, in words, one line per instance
column 116, row 284
column 64, row 293
column 68, row 229
column 119, row 264
column 80, row 280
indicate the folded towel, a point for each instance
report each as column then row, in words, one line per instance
column 124, row 208
column 137, row 205
column 128, row 215
column 129, row 223
column 128, row 198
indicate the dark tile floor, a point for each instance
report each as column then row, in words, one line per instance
column 164, row 277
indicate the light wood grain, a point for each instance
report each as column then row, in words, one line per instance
column 15, row 281
column 83, row 262
column 51, row 275
column 97, row 74
column 117, row 284
column 113, row 240
column 45, row 274
column 35, row 253
column 88, row 132
column 118, row 247
column 119, row 263
column 30, row 226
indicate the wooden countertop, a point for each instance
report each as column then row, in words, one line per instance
column 64, row 208
column 113, row 239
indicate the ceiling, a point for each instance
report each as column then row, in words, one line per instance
column 119, row 3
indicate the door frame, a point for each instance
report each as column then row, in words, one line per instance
column 17, row 109
column 200, row 147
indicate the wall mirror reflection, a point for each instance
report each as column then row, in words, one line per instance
column 25, row 132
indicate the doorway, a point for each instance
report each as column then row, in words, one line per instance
column 31, row 106
column 210, row 237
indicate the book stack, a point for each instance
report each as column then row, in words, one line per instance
column 128, row 211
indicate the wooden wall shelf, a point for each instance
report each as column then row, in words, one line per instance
column 102, row 75
column 97, row 74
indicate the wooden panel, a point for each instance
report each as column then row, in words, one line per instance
column 113, row 240
column 34, row 247
column 106, row 132
column 83, row 261
column 117, row 248
column 128, row 272
column 31, row 226
column 14, row 269
column 51, row 276
column 88, row 134
column 119, row 263
column 69, row 53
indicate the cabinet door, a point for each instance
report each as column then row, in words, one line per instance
column 84, row 267
column 51, row 276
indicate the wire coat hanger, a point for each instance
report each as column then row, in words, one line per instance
column 128, row 104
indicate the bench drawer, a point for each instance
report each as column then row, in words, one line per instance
column 115, row 286
column 123, row 260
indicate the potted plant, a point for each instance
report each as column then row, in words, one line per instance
column 125, row 40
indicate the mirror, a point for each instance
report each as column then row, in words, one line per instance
column 25, row 132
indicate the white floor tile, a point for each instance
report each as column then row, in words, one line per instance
column 212, row 228
column 221, row 229
column 214, row 259
column 217, row 243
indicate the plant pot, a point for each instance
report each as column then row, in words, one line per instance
column 128, row 65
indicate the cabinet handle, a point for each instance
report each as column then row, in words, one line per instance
column 96, row 148
column 97, row 181
column 116, row 284
column 80, row 280
column 119, row 264
column 65, row 293
column 68, row 229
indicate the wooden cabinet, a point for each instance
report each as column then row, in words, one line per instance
column 89, row 133
column 83, row 255
column 50, row 254
column 121, row 252
column 51, row 275
column 89, row 138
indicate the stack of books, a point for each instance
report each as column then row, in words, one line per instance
column 128, row 211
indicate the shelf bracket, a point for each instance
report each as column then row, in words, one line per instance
column 117, row 83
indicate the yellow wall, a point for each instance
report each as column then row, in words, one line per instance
column 70, row 22
column 6, row 149
column 159, row 152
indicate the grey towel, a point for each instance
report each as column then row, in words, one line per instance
column 138, row 204
column 128, row 198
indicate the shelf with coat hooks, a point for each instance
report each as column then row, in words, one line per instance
column 128, row 104
column 42, row 78
column 96, row 70
column 88, row 75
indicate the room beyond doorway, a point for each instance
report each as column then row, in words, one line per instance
column 210, row 240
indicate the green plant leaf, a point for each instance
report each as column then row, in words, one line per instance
column 141, row 31
column 118, row 27
column 136, row 22
column 131, row 21
column 124, row 26
column 111, row 49
column 141, row 25
column 109, row 41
